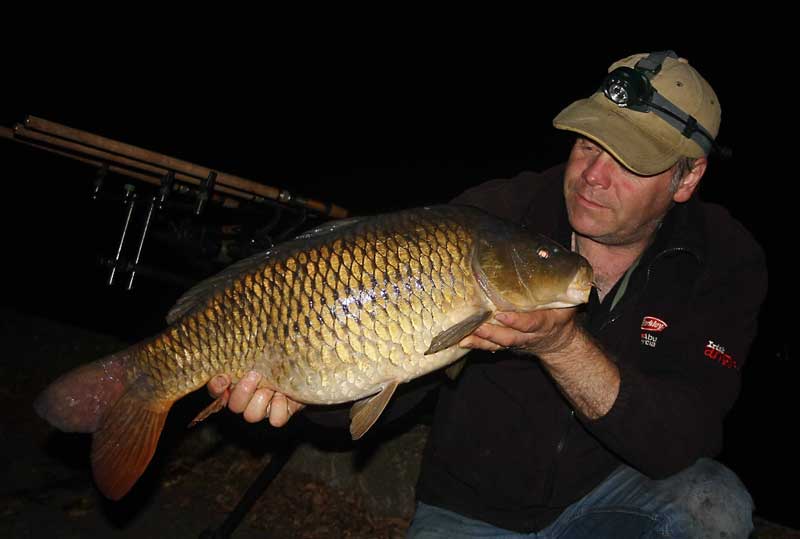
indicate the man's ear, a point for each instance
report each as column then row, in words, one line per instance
column 690, row 180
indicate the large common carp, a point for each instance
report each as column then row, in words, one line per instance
column 344, row 313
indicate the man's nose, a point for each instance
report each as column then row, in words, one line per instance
column 600, row 170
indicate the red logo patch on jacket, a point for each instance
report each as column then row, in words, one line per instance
column 651, row 323
column 716, row 352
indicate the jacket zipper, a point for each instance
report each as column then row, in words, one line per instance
column 662, row 253
column 550, row 484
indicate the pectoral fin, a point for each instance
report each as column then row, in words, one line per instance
column 454, row 334
column 366, row 412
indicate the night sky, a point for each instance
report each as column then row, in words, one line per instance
column 370, row 132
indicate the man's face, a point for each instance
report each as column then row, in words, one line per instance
column 607, row 202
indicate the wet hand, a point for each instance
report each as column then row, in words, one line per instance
column 538, row 332
column 253, row 402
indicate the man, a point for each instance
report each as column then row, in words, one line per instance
column 599, row 421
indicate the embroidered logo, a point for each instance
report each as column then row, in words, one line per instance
column 716, row 352
column 650, row 325
column 649, row 339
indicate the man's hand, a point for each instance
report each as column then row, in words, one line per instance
column 539, row 332
column 586, row 375
column 256, row 403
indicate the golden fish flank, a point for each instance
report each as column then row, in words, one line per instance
column 344, row 313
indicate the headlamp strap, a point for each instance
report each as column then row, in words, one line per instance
column 691, row 127
column 685, row 123
column 651, row 64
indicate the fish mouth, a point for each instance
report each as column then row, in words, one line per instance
column 580, row 287
column 577, row 291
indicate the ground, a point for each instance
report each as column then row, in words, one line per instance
column 196, row 477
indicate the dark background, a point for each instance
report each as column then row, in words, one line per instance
column 368, row 130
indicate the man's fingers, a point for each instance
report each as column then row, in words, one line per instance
column 279, row 413
column 537, row 320
column 524, row 322
column 281, row 410
column 254, row 403
column 474, row 342
column 243, row 392
column 217, row 385
column 502, row 337
column 257, row 407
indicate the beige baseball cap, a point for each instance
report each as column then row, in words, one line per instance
column 643, row 141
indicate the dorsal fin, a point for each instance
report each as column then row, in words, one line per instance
column 202, row 291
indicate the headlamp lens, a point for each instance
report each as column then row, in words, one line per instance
column 626, row 87
column 617, row 93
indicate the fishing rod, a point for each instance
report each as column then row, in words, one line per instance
column 177, row 187
column 181, row 188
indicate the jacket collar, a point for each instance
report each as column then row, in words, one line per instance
column 680, row 232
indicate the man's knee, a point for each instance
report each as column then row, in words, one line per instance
column 710, row 501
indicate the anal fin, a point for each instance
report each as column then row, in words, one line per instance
column 454, row 334
column 366, row 412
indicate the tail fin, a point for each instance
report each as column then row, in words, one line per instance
column 99, row 398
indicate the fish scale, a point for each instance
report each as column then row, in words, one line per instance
column 291, row 350
column 343, row 313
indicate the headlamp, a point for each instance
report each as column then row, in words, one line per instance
column 628, row 88
column 631, row 88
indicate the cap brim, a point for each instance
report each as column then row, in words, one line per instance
column 618, row 131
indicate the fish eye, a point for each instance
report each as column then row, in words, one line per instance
column 543, row 252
